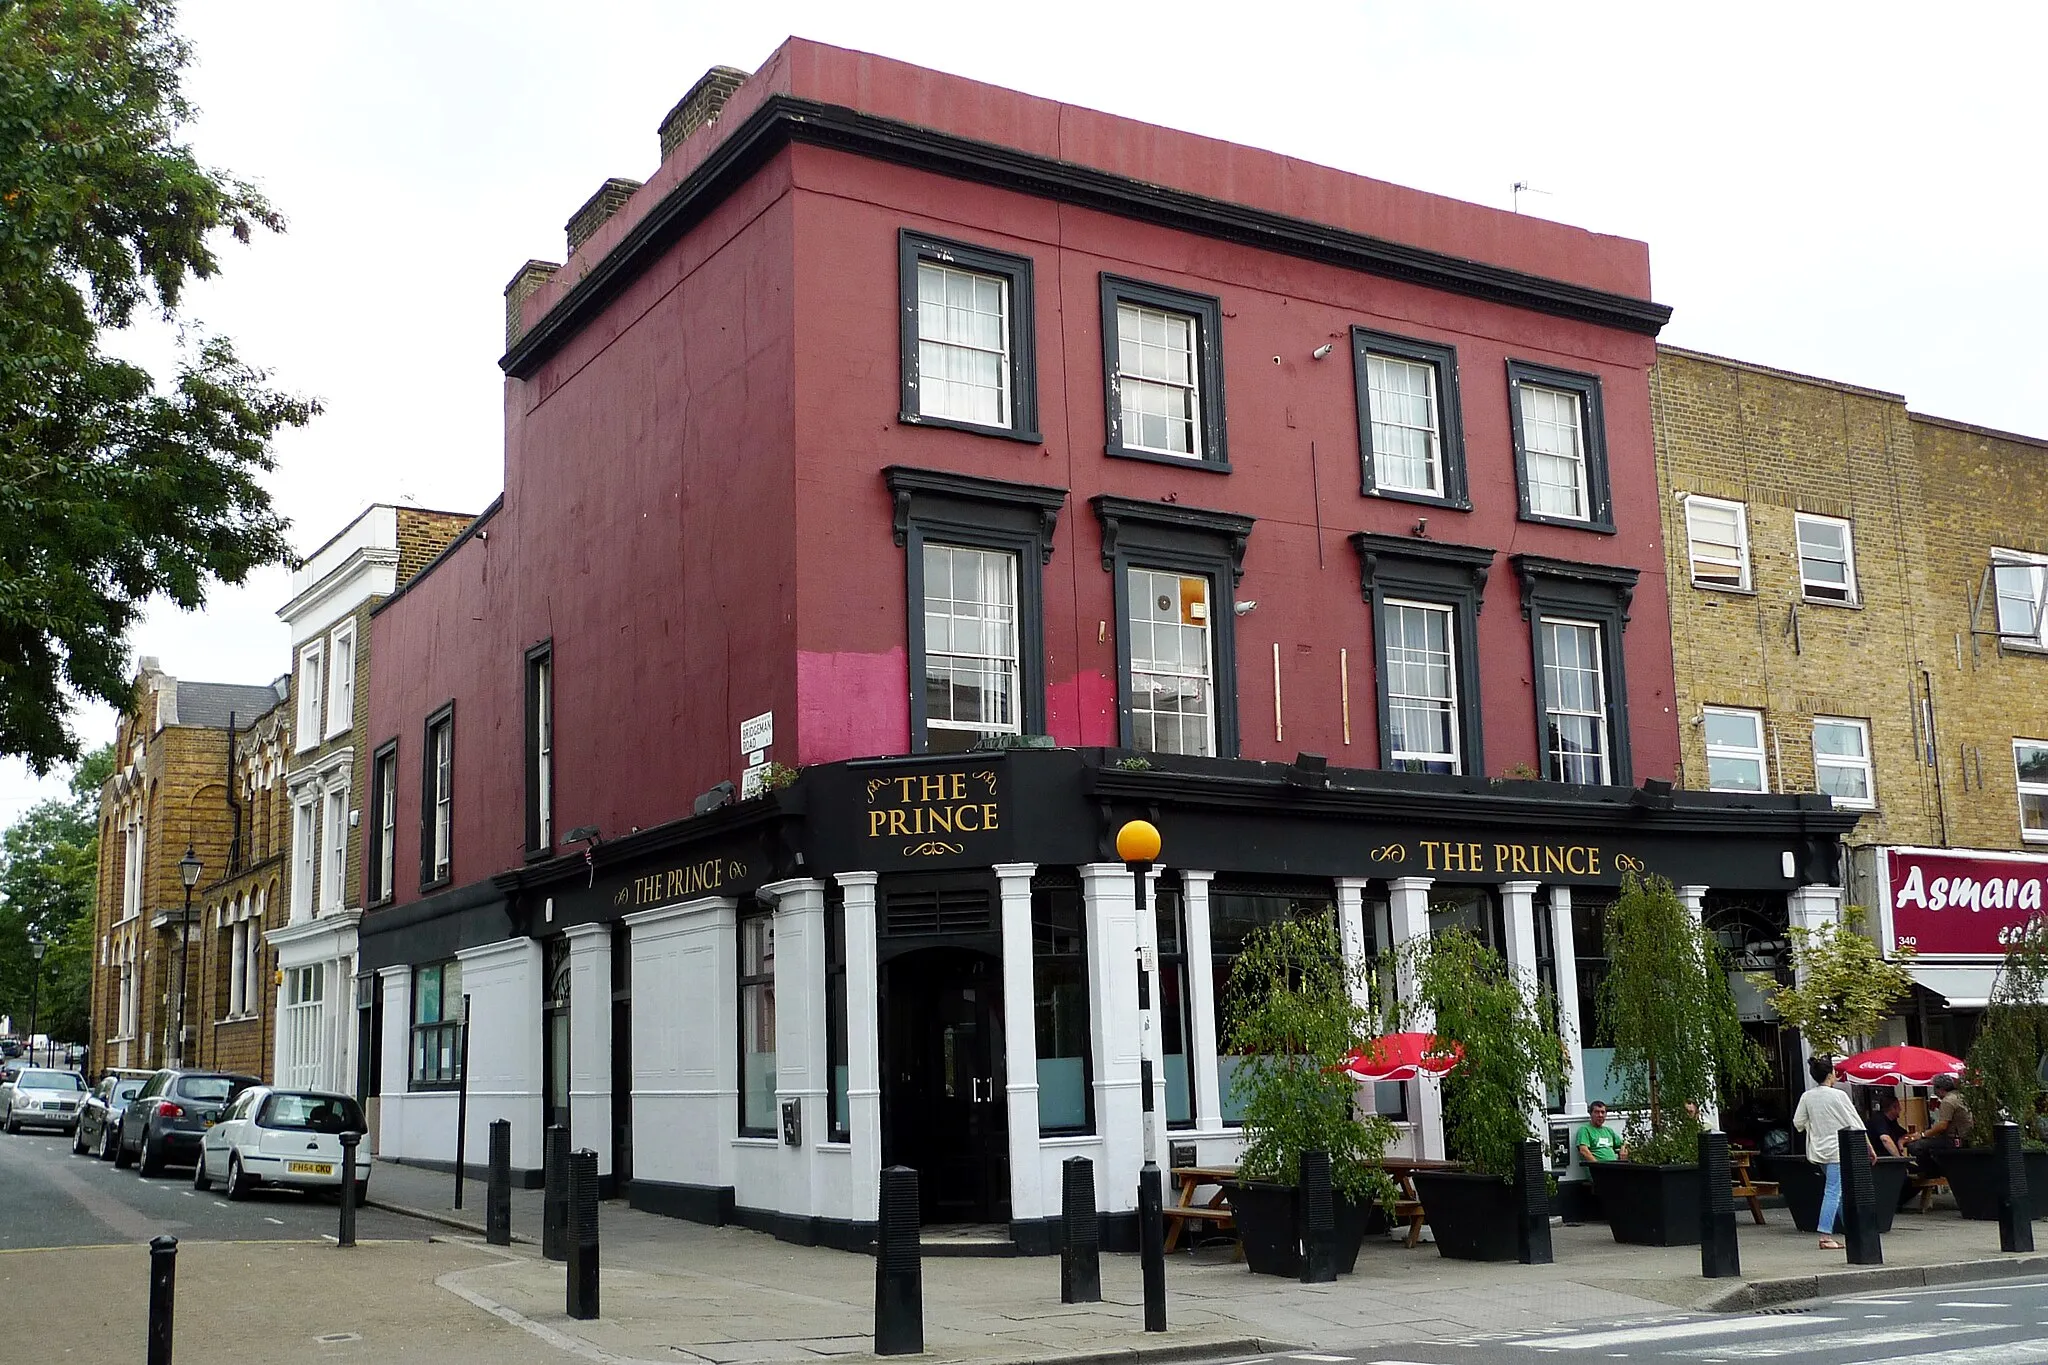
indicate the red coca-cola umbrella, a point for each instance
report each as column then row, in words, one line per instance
column 1890, row 1065
column 1403, row 1057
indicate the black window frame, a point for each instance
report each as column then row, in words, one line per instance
column 912, row 249
column 382, row 759
column 1169, row 906
column 440, row 716
column 1436, row 574
column 540, row 656
column 1601, row 594
column 1207, row 311
column 1593, row 428
column 1194, row 540
column 1046, row 883
column 445, row 1025
column 836, row 1023
column 983, row 514
column 1450, row 417
column 751, row 911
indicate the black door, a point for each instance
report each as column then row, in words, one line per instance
column 554, row 1038
column 944, row 1108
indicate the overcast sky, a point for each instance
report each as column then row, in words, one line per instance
column 1832, row 188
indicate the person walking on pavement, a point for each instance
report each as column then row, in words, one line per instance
column 1823, row 1113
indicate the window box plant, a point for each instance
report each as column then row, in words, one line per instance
column 1669, row 1007
column 1510, row 1056
column 1294, row 1009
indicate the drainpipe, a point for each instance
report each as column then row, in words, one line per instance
column 1934, row 757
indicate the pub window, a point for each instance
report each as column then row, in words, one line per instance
column 1475, row 909
column 437, row 1026
column 1174, row 1008
column 379, row 858
column 1172, row 677
column 971, row 663
column 1560, row 446
column 1162, row 369
column 1596, row 1039
column 1412, row 443
column 968, row 346
column 757, row 1021
column 540, row 750
column 1425, row 599
column 437, row 798
column 1236, row 909
column 1577, row 612
column 1575, row 722
column 1422, row 688
column 1059, row 976
column 839, row 1125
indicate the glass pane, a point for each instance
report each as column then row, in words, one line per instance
column 1735, row 730
column 2032, row 762
column 1735, row 774
column 1834, row 737
column 1843, row 783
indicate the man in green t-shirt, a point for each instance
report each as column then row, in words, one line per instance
column 1595, row 1140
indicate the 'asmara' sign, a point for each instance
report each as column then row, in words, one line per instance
column 1487, row 858
column 930, row 815
column 1944, row 905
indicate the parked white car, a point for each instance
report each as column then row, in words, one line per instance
column 282, row 1137
column 38, row 1097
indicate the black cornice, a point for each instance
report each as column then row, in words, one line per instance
column 1534, row 569
column 770, row 808
column 1373, row 546
column 1233, row 527
column 783, row 119
column 906, row 482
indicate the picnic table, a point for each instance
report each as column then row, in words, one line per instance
column 1747, row 1186
column 1408, row 1208
column 1215, row 1211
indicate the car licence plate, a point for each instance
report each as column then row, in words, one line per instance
column 309, row 1167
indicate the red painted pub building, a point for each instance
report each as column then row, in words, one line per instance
column 999, row 471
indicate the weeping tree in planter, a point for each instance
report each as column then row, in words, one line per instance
column 1510, row 1055
column 1294, row 1012
column 1678, row 1040
column 2001, row 1077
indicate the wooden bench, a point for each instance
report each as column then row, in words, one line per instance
column 1409, row 1211
column 1928, row 1186
column 1747, row 1187
column 1185, row 1211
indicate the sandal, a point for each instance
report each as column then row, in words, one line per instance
column 1830, row 1244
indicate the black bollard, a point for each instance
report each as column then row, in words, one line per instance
column 583, row 1234
column 163, row 1297
column 899, row 1275
column 2015, row 1209
column 1532, row 1204
column 554, row 1195
column 498, row 1194
column 347, row 1234
column 1318, row 1220
column 1152, row 1245
column 1859, row 1198
column 1080, row 1233
column 1720, row 1254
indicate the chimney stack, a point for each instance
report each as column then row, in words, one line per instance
column 525, row 280
column 700, row 106
column 611, row 196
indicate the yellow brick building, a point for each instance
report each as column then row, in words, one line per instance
column 237, row 1001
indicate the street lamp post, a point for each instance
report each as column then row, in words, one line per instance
column 188, row 873
column 35, row 991
column 1137, row 843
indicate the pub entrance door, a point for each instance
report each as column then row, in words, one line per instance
column 944, row 1107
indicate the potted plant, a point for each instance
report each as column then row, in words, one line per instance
column 1293, row 1011
column 1843, row 988
column 2002, row 1079
column 1510, row 1056
column 1669, row 1007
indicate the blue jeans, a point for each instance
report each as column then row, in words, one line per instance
column 1831, row 1200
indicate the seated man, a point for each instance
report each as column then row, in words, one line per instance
column 1952, row 1123
column 1595, row 1141
column 1885, row 1129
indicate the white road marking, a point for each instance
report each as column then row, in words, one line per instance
column 278, row 1221
column 220, row 1204
column 1328, row 1360
column 2003, row 1353
column 1669, row 1331
column 1831, row 1341
column 1971, row 1303
column 1895, row 1303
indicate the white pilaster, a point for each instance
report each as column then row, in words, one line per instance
column 1809, row 907
column 1694, row 900
column 1565, row 946
column 1351, row 930
column 1208, row 1096
column 502, row 983
column 590, row 1040
column 1109, row 897
column 392, row 1076
column 1020, row 1044
column 1408, row 903
column 863, row 1041
column 800, row 1041
column 685, row 1041
column 1518, row 911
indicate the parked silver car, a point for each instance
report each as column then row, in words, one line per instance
column 41, row 1098
column 99, row 1114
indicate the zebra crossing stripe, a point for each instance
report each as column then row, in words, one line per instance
column 1831, row 1341
column 1669, row 1331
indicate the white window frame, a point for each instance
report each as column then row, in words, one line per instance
column 995, row 667
column 1820, row 590
column 333, row 849
column 238, row 966
column 1864, row 765
column 1385, row 403
column 1448, row 702
column 312, row 688
column 1129, row 382
column 2029, row 834
column 544, row 748
column 1737, row 752
column 441, row 753
column 927, row 373
column 2005, row 587
column 305, row 851
column 1696, row 560
column 1579, row 458
column 1169, row 673
column 1599, row 715
column 384, row 773
column 341, row 679
column 252, row 993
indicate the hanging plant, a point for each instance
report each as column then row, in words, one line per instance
column 1844, row 986
column 2002, row 1077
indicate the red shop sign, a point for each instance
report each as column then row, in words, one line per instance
column 1944, row 905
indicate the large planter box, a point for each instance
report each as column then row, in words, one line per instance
column 2037, row 1182
column 1803, row 1184
column 1472, row 1217
column 1653, row 1206
column 1973, row 1179
column 1269, row 1228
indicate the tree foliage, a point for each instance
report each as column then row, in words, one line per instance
column 1295, row 1009
column 1669, row 1007
column 113, row 488
column 1844, row 987
column 1507, row 1031
column 2002, row 1077
column 49, row 874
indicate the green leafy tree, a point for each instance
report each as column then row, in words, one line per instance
column 1293, row 1010
column 49, row 876
column 1669, row 1007
column 2002, row 1075
column 1844, row 986
column 113, row 487
column 1511, row 1053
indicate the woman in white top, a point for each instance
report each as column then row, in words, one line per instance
column 1822, row 1114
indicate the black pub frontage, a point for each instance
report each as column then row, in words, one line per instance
column 932, row 961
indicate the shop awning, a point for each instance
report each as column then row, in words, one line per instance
column 1965, row 988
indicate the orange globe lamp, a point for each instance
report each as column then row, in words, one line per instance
column 1137, row 841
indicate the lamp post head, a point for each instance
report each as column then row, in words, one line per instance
column 188, row 868
column 36, row 946
column 1137, row 842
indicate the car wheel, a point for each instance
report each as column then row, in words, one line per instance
column 106, row 1142
column 239, row 1184
column 150, row 1162
column 122, row 1159
column 12, row 1126
column 201, row 1181
column 78, row 1139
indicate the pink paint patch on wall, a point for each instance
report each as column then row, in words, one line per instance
column 1081, row 711
column 851, row 705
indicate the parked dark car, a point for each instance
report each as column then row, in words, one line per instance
column 99, row 1117
column 167, row 1118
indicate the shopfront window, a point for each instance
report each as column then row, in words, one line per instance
column 1475, row 909
column 1059, row 975
column 1175, row 1022
column 1236, row 909
column 437, row 1026
column 841, row 1126
column 1589, row 947
column 757, row 1021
